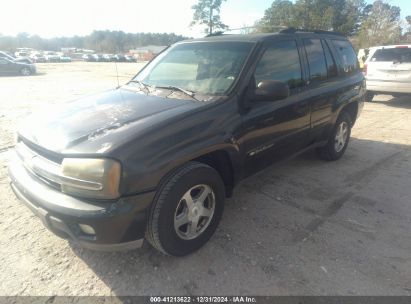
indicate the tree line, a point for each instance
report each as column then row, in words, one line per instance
column 372, row 24
column 100, row 41
column 367, row 24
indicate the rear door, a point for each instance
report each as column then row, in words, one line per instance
column 322, row 83
column 392, row 64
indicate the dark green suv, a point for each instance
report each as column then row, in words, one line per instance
column 156, row 158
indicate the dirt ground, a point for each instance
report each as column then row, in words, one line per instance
column 305, row 227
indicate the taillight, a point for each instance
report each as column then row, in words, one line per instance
column 364, row 70
column 401, row 47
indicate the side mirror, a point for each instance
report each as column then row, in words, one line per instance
column 271, row 90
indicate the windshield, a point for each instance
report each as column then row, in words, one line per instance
column 203, row 67
column 392, row 54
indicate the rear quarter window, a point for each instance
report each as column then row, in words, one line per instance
column 348, row 58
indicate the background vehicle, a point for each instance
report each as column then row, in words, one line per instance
column 52, row 56
column 130, row 58
column 7, row 55
column 9, row 67
column 65, row 58
column 38, row 58
column 98, row 57
column 164, row 151
column 10, row 57
column 108, row 57
column 388, row 70
column 88, row 57
column 120, row 58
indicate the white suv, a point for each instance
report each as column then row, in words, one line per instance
column 388, row 70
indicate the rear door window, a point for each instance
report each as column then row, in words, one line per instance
column 393, row 55
column 281, row 61
column 316, row 59
column 349, row 61
column 331, row 66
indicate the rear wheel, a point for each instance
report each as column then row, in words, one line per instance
column 338, row 140
column 186, row 209
column 25, row 72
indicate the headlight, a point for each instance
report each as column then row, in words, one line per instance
column 84, row 177
column 94, row 178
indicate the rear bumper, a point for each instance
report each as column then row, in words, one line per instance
column 388, row 86
column 117, row 225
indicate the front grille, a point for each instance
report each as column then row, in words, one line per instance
column 34, row 164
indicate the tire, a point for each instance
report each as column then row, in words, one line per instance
column 338, row 140
column 369, row 96
column 25, row 72
column 166, row 230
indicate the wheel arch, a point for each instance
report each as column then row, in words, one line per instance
column 352, row 110
column 224, row 164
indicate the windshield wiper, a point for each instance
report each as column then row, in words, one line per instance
column 174, row 88
column 144, row 85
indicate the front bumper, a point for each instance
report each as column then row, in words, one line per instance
column 118, row 225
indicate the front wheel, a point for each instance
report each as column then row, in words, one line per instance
column 338, row 140
column 25, row 72
column 186, row 210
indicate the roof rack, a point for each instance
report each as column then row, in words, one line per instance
column 292, row 30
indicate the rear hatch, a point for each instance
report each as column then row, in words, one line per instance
column 390, row 64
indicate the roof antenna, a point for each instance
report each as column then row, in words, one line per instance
column 118, row 82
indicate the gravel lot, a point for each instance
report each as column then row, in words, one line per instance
column 305, row 227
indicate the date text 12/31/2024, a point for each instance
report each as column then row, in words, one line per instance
column 203, row 299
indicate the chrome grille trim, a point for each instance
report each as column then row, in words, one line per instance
column 49, row 170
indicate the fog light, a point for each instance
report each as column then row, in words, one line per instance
column 87, row 229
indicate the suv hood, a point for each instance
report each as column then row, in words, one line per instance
column 67, row 128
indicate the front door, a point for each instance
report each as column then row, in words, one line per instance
column 273, row 130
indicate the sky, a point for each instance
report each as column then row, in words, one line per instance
column 51, row 18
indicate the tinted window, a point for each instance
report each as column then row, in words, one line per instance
column 316, row 59
column 347, row 55
column 331, row 66
column 281, row 62
column 397, row 54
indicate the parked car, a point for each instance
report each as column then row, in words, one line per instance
column 108, row 57
column 22, row 54
column 130, row 58
column 388, row 70
column 10, row 67
column 88, row 57
column 65, row 58
column 52, row 56
column 157, row 157
column 98, row 57
column 12, row 58
column 120, row 58
column 7, row 55
column 38, row 58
